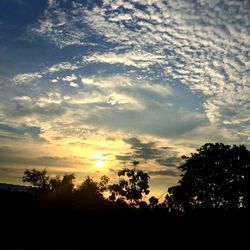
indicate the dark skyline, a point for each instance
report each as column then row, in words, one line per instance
column 88, row 85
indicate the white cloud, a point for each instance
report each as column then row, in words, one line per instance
column 85, row 80
column 50, row 98
column 59, row 27
column 70, row 78
column 86, row 98
column 74, row 85
column 203, row 45
column 54, row 81
column 61, row 67
column 136, row 59
column 120, row 99
column 26, row 77
column 118, row 83
column 119, row 91
column 66, row 97
column 22, row 98
column 110, row 82
column 160, row 89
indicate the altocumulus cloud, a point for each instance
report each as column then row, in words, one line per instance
column 202, row 45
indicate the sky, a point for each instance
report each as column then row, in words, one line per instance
column 87, row 86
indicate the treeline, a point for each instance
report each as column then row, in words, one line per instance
column 215, row 181
column 216, row 177
column 90, row 196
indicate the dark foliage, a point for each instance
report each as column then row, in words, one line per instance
column 216, row 177
column 212, row 192
column 132, row 188
column 38, row 179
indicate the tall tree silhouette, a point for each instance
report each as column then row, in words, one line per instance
column 217, row 176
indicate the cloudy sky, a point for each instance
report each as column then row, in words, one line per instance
column 87, row 86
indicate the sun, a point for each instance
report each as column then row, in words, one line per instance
column 99, row 160
column 100, row 164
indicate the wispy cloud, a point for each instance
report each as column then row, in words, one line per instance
column 59, row 27
column 26, row 77
column 61, row 67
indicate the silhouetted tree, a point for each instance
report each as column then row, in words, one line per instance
column 153, row 202
column 217, row 176
column 89, row 187
column 38, row 179
column 67, row 183
column 132, row 187
column 89, row 195
column 103, row 184
column 55, row 183
column 41, row 182
column 64, row 185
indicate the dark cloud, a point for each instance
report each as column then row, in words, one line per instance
column 124, row 157
column 169, row 161
column 14, row 157
column 149, row 151
column 7, row 138
column 20, row 110
column 53, row 160
column 6, row 170
column 110, row 138
column 144, row 151
column 157, row 120
column 164, row 172
column 24, row 130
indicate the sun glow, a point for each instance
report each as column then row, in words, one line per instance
column 100, row 164
column 99, row 160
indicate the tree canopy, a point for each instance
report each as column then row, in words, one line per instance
column 216, row 176
column 131, row 187
column 38, row 179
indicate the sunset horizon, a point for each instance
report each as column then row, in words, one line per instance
column 88, row 87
